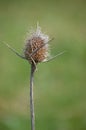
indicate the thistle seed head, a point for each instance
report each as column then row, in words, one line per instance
column 34, row 42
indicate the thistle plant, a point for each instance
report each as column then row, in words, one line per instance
column 36, row 50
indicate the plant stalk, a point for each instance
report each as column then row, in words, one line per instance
column 33, row 68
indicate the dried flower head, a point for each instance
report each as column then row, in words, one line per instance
column 36, row 48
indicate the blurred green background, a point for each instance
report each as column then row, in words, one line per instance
column 59, row 85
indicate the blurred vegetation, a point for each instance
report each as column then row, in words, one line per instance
column 60, row 85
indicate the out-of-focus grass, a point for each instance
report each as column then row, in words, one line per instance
column 59, row 86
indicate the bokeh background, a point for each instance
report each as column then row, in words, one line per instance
column 59, row 85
